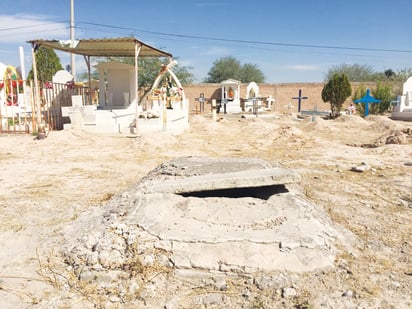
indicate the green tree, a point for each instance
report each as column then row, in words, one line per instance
column 383, row 92
column 231, row 68
column 222, row 69
column 359, row 93
column 251, row 73
column 354, row 72
column 389, row 74
column 149, row 68
column 336, row 91
column 48, row 63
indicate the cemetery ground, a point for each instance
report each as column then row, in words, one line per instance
column 357, row 171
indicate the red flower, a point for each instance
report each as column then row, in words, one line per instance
column 48, row 85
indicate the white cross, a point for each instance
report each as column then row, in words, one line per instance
column 270, row 100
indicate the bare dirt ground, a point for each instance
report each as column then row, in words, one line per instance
column 46, row 185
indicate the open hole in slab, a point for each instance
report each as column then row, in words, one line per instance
column 263, row 192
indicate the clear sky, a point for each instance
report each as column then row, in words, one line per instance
column 289, row 40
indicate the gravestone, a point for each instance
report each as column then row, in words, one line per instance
column 270, row 100
column 252, row 91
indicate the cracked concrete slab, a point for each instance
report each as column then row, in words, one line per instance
column 224, row 230
column 244, row 216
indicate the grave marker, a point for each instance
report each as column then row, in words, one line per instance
column 299, row 98
column 201, row 99
column 366, row 99
column 315, row 113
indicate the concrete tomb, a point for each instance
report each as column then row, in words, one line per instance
column 230, row 99
column 253, row 100
column 214, row 214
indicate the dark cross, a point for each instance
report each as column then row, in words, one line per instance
column 201, row 99
column 299, row 98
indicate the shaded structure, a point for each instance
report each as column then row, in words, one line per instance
column 366, row 99
column 106, row 47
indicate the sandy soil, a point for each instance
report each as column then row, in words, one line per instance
column 46, row 185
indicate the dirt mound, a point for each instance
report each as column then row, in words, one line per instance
column 400, row 137
column 351, row 119
column 382, row 123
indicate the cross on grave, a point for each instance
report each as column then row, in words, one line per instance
column 255, row 101
column 366, row 99
column 299, row 98
column 270, row 100
column 201, row 99
column 315, row 113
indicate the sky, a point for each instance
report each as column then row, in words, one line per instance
column 288, row 40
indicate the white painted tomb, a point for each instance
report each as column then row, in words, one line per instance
column 231, row 95
column 118, row 105
column 253, row 94
column 17, row 106
column 403, row 108
column 117, row 84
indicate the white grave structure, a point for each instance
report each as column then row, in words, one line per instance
column 252, row 91
column 403, row 108
column 62, row 77
column 231, row 96
column 252, row 94
column 117, row 84
column 118, row 106
column 11, row 86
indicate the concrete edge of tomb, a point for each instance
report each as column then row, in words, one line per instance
column 244, row 179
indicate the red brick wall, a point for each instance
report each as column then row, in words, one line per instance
column 282, row 93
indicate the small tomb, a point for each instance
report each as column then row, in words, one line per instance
column 117, row 85
column 253, row 100
column 403, row 107
column 230, row 96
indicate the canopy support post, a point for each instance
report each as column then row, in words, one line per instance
column 87, row 60
column 34, row 48
column 137, row 48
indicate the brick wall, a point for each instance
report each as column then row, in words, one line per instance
column 282, row 93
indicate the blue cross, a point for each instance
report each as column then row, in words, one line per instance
column 367, row 98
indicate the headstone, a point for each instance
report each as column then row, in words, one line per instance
column 252, row 91
column 270, row 100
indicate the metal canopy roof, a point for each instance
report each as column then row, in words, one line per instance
column 107, row 47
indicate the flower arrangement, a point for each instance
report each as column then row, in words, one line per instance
column 14, row 84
